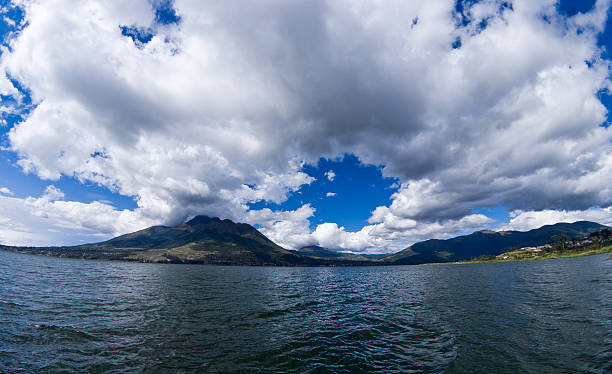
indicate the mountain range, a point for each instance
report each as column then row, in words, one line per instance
column 485, row 242
column 206, row 240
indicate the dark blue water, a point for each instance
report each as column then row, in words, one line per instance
column 63, row 315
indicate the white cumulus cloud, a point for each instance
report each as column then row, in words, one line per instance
column 212, row 114
column 49, row 220
column 6, row 191
column 527, row 220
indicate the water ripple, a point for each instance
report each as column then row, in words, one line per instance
column 62, row 315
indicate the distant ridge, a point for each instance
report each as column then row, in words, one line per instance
column 323, row 253
column 316, row 251
column 488, row 242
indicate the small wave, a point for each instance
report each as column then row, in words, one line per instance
column 66, row 332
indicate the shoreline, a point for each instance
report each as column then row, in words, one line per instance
column 548, row 256
column 323, row 263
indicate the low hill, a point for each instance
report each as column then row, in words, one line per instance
column 486, row 242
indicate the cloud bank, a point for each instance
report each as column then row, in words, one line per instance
column 495, row 105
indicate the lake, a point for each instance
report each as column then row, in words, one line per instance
column 66, row 315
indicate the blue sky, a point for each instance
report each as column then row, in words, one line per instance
column 357, row 190
column 348, row 136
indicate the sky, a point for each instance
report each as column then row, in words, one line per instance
column 359, row 126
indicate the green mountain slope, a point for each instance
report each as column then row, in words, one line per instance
column 488, row 243
column 202, row 240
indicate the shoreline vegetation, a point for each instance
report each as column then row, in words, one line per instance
column 526, row 255
column 559, row 246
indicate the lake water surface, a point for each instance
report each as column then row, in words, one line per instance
column 64, row 315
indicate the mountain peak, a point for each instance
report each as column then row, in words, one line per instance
column 202, row 239
column 202, row 220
